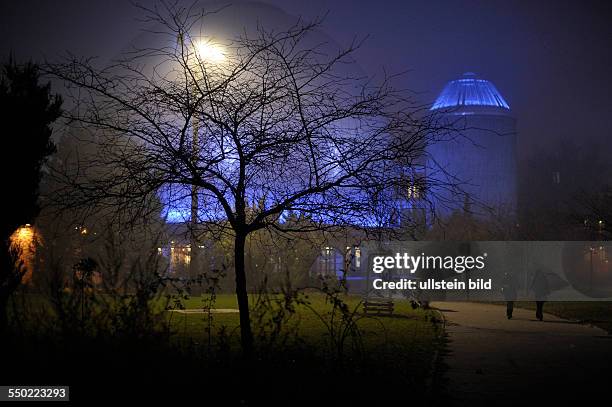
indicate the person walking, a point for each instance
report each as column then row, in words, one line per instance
column 541, row 290
column 509, row 292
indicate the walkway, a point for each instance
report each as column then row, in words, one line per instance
column 493, row 360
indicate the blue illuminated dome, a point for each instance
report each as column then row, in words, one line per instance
column 469, row 91
column 475, row 150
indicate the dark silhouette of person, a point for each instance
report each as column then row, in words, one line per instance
column 509, row 291
column 541, row 290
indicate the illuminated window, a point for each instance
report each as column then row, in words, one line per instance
column 327, row 261
column 414, row 185
column 414, row 191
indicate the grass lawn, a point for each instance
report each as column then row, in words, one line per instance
column 396, row 351
column 598, row 313
column 393, row 352
column 410, row 336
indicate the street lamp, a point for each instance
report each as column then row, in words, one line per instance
column 24, row 240
column 206, row 51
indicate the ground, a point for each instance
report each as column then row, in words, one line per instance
column 493, row 360
column 395, row 352
column 598, row 313
column 403, row 343
column 484, row 359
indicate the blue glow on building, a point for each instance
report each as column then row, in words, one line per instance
column 469, row 91
column 176, row 201
column 176, row 215
column 478, row 150
column 176, row 208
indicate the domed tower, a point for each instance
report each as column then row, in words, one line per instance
column 477, row 153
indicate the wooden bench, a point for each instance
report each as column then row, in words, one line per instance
column 378, row 306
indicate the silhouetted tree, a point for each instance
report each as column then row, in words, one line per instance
column 593, row 212
column 277, row 127
column 558, row 186
column 27, row 110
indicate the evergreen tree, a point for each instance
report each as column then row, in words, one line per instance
column 27, row 110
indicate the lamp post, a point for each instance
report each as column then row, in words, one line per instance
column 205, row 52
column 193, row 243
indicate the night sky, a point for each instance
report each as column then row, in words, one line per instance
column 550, row 59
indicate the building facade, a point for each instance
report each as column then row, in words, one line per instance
column 474, row 156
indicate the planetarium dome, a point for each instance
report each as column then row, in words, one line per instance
column 471, row 92
column 477, row 148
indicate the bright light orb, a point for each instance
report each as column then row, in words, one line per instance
column 208, row 51
column 24, row 241
column 23, row 237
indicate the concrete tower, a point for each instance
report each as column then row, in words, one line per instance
column 478, row 152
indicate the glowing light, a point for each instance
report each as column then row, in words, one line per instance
column 23, row 239
column 23, row 236
column 469, row 91
column 208, row 51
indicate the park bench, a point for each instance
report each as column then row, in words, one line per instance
column 378, row 306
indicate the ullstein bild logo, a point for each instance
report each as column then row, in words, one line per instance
column 436, row 264
column 411, row 264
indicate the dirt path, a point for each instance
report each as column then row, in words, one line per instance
column 493, row 360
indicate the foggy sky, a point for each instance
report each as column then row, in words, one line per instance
column 550, row 59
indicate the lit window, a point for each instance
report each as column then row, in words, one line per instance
column 414, row 191
column 415, row 186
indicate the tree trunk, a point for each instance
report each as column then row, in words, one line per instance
column 246, row 335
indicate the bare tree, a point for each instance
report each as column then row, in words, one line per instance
column 278, row 127
column 592, row 213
